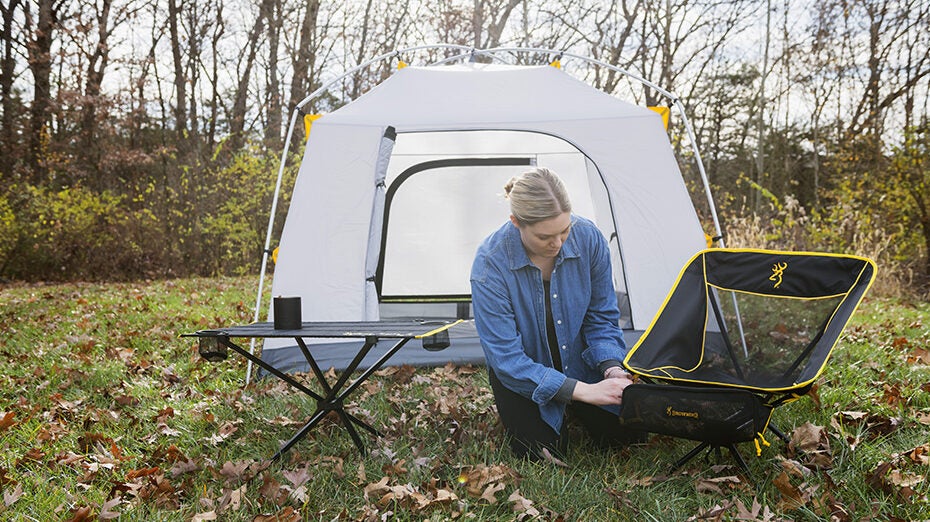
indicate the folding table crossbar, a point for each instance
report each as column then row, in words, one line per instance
column 333, row 396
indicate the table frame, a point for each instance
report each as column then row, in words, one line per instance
column 333, row 397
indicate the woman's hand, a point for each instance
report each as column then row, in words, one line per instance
column 608, row 391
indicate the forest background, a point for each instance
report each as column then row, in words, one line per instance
column 142, row 138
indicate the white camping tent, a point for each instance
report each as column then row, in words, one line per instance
column 398, row 187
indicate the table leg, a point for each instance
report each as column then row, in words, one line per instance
column 302, row 432
column 269, row 368
column 335, row 395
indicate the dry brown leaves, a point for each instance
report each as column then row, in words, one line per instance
column 899, row 475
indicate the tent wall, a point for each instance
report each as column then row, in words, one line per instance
column 627, row 181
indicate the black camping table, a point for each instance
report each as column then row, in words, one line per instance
column 332, row 397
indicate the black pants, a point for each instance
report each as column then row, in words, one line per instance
column 528, row 433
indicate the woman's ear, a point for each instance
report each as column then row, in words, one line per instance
column 513, row 219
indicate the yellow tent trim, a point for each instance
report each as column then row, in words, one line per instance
column 274, row 255
column 308, row 122
column 401, row 64
column 664, row 112
column 556, row 63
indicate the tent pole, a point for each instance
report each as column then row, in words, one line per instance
column 713, row 213
column 274, row 209
column 325, row 87
column 277, row 190
column 287, row 141
column 467, row 51
column 671, row 97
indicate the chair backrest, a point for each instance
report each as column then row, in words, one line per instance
column 754, row 319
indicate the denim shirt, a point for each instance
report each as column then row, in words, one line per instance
column 510, row 314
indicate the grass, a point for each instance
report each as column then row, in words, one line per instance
column 105, row 412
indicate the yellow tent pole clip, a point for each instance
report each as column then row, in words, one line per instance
column 711, row 240
column 274, row 255
column 665, row 112
column 557, row 63
column 401, row 64
column 308, row 122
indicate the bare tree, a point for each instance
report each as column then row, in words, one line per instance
column 97, row 61
column 40, row 30
column 219, row 29
column 304, row 57
column 489, row 19
column 890, row 27
column 7, row 72
column 273, row 90
column 180, row 78
column 239, row 108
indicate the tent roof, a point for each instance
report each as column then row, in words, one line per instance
column 420, row 98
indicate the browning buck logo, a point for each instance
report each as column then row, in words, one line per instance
column 672, row 412
column 778, row 269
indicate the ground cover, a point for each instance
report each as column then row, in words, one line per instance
column 106, row 413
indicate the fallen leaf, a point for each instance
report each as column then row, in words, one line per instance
column 794, row 467
column 522, row 505
column 82, row 514
column 285, row 515
column 231, row 500
column 234, row 472
column 376, row 488
column 106, row 510
column 490, row 491
column 298, row 477
column 272, row 491
column 811, row 445
column 552, row 459
column 793, row 497
column 716, row 484
column 477, row 478
column 919, row 455
column 7, row 420
column 919, row 356
column 10, row 497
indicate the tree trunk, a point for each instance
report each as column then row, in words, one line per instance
column 96, row 67
column 180, row 79
column 7, row 70
column 302, row 82
column 218, row 29
column 40, row 63
column 237, row 119
column 273, row 107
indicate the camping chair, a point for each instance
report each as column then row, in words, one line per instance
column 740, row 333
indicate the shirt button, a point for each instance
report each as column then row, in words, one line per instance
column 564, row 347
column 558, row 322
column 554, row 296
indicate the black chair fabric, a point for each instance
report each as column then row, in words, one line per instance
column 740, row 333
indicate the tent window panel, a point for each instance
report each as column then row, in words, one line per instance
column 445, row 195
column 435, row 220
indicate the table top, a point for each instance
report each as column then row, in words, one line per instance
column 388, row 329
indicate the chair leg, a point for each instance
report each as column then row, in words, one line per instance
column 778, row 433
column 690, row 455
column 738, row 458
